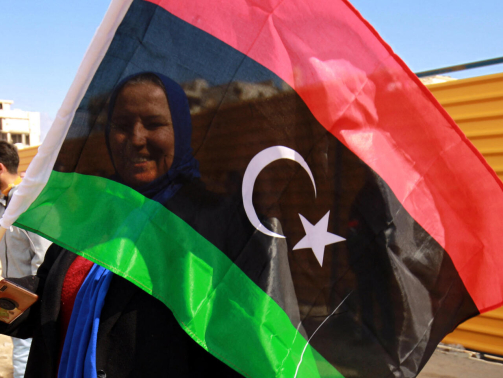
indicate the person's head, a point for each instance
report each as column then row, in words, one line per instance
column 142, row 140
column 149, row 129
column 9, row 162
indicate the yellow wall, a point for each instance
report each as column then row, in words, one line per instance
column 476, row 104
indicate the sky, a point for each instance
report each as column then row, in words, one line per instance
column 43, row 42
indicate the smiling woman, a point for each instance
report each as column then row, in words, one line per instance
column 100, row 324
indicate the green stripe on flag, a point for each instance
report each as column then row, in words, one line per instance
column 110, row 224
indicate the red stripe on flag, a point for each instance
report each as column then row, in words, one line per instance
column 361, row 92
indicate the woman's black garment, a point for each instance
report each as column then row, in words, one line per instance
column 138, row 335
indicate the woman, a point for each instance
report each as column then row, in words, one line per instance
column 90, row 322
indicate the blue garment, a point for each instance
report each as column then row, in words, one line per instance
column 78, row 358
column 20, row 352
column 79, row 351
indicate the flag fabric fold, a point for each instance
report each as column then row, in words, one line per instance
column 342, row 223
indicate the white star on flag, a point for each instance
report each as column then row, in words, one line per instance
column 317, row 237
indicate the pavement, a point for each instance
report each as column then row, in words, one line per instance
column 446, row 362
column 455, row 362
column 5, row 357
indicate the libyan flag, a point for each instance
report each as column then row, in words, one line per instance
column 342, row 224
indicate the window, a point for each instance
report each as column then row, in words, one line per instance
column 27, row 139
column 4, row 137
column 17, row 138
column 1, row 106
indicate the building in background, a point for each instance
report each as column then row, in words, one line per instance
column 19, row 127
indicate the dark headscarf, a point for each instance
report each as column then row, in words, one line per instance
column 184, row 166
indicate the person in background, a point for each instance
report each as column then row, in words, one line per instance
column 21, row 252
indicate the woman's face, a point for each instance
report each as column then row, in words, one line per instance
column 142, row 139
